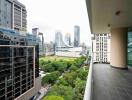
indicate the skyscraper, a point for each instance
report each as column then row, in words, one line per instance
column 6, row 13
column 68, row 39
column 19, row 66
column 38, row 34
column 19, row 54
column 13, row 15
column 58, row 39
column 19, row 16
column 76, row 36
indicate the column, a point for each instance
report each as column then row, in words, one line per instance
column 119, row 48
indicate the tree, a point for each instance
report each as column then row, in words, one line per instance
column 73, row 68
column 62, row 81
column 48, row 68
column 50, row 78
column 78, row 62
column 64, row 91
column 53, row 98
column 62, row 66
column 70, row 77
column 82, row 74
column 69, row 63
column 59, row 65
column 79, row 89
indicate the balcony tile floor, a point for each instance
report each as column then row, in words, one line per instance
column 111, row 84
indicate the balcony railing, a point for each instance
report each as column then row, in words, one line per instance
column 88, row 89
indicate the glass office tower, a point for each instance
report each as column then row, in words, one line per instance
column 19, row 64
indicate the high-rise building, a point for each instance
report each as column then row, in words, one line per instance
column 19, row 66
column 40, row 36
column 58, row 39
column 6, row 13
column 13, row 15
column 101, row 48
column 68, row 39
column 19, row 54
column 19, row 16
column 76, row 36
column 49, row 48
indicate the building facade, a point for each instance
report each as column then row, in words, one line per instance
column 40, row 40
column 101, row 48
column 6, row 13
column 19, row 16
column 13, row 15
column 19, row 66
column 19, row 54
column 49, row 48
column 58, row 39
column 68, row 39
column 76, row 36
column 129, row 48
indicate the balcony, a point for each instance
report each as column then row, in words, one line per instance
column 107, row 83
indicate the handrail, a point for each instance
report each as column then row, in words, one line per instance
column 88, row 89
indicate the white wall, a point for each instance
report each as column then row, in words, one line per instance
column 68, row 54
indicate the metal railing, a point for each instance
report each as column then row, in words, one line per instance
column 89, row 83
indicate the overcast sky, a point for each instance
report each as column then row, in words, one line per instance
column 53, row 15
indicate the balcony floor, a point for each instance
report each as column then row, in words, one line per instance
column 111, row 84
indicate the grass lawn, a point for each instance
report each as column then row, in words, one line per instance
column 52, row 58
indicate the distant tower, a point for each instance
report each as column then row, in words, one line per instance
column 68, row 39
column 35, row 31
column 76, row 36
column 58, row 39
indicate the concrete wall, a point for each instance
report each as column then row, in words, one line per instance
column 68, row 54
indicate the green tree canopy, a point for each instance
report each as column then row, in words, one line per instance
column 82, row 74
column 64, row 91
column 79, row 89
column 48, row 68
column 59, row 65
column 62, row 81
column 73, row 68
column 50, row 78
column 53, row 98
column 70, row 77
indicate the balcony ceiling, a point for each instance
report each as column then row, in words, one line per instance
column 106, row 14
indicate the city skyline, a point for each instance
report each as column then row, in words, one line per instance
column 64, row 18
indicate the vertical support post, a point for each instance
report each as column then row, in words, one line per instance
column 119, row 48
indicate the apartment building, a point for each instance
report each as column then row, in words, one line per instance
column 13, row 15
column 101, row 48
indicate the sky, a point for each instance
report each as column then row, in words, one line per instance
column 58, row 15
